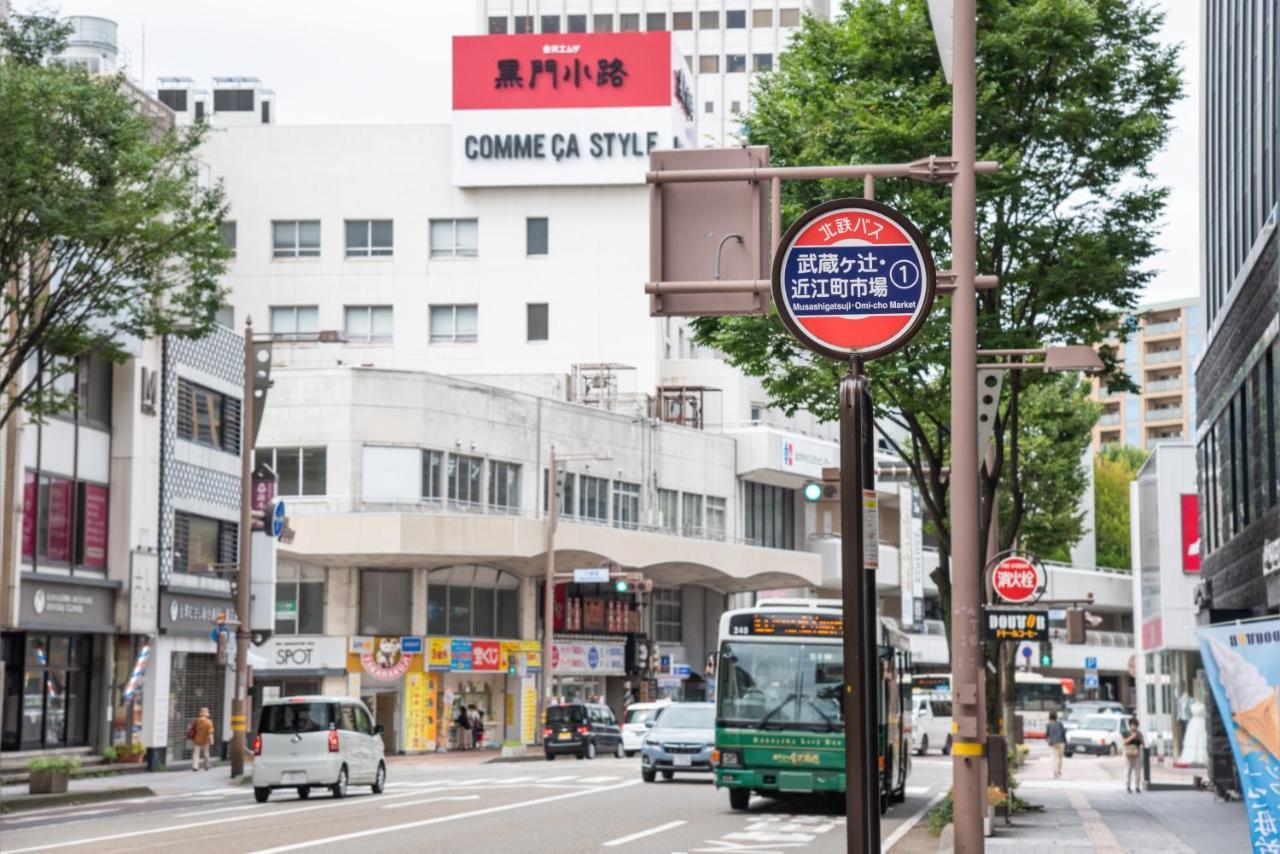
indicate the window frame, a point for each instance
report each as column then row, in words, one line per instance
column 397, row 624
column 530, row 228
column 294, row 311
column 735, row 59
column 454, row 337
column 296, row 576
column 369, row 250
column 454, row 492
column 225, row 435
column 298, row 250
column 530, row 322
column 454, row 249
column 625, row 505
column 228, row 227
column 504, row 486
column 348, row 311
column 272, row 455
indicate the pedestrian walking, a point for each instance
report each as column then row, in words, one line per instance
column 201, row 735
column 1056, row 734
column 1133, row 744
column 464, row 727
column 477, row 727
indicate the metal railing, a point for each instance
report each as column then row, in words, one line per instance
column 1121, row 640
column 1164, row 413
column 1164, row 328
column 1157, row 357
column 1107, row 419
column 1156, row 440
column 1107, row 570
column 1173, row 384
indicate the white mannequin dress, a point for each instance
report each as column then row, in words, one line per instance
column 1195, row 744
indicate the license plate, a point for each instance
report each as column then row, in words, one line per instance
column 290, row 778
column 565, row 736
column 682, row 761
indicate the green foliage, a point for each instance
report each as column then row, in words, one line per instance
column 65, row 764
column 109, row 754
column 941, row 815
column 1114, row 468
column 103, row 219
column 1074, row 100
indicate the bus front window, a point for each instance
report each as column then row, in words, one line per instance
column 781, row 685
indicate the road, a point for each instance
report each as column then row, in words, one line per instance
column 528, row 807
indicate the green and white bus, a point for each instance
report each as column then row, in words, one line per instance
column 779, row 720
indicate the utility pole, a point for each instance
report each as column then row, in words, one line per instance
column 969, row 766
column 549, row 595
column 244, row 576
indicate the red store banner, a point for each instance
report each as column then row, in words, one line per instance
column 94, row 515
column 1190, row 532
column 29, row 514
column 59, row 520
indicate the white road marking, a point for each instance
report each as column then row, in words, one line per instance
column 563, row 779
column 510, row 780
column 623, row 840
column 597, row 779
column 431, row 801
column 215, row 812
column 438, row 820
column 914, row 791
column 61, row 814
column 905, row 827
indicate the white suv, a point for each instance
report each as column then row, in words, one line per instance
column 304, row 742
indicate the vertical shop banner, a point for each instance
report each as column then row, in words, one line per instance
column 1190, row 505
column 906, row 577
column 95, row 526
column 59, row 520
column 528, row 709
column 439, row 654
column 420, row 691
column 1242, row 662
column 29, row 494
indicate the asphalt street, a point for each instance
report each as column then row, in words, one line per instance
column 528, row 807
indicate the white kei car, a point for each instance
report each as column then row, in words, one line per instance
column 633, row 724
column 317, row 742
column 1100, row 734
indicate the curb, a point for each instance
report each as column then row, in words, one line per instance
column 531, row 758
column 33, row 802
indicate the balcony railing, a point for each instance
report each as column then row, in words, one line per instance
column 1108, row 419
column 1164, row 328
column 1158, row 357
column 1123, row 640
column 1174, row 384
column 1156, row 440
column 1165, row 413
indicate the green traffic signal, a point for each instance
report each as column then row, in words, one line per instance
column 812, row 491
column 1046, row 660
column 620, row 585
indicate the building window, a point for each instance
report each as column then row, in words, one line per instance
column 524, row 24
column 669, row 510
column 551, row 23
column 667, row 617
column 432, row 475
column 762, row 18
column 655, row 21
column 227, row 231
column 735, row 19
column 788, row 17
column 174, row 99
column 535, row 235
column 93, row 390
column 682, row 20
column 295, row 320
column 299, row 471
column 225, row 317
column 47, row 521
column 497, row 25
column 769, row 515
column 473, row 601
column 708, row 20
column 593, row 501
column 629, row 22
column 464, row 480
column 602, row 23
column 735, row 62
column 626, row 505
column 386, row 597
column 577, row 23
column 691, row 514
column 266, row 112
column 762, row 61
column 201, row 543
column 207, row 417
column 504, row 486
column 536, row 321
column 233, row 100
column 457, row 238
column 299, row 600
column 294, row 238
column 567, row 491
column 735, row 107
column 454, row 324
column 715, row 518
column 368, row 238
column 368, row 322
column 709, row 107
column 709, row 63
column 757, row 413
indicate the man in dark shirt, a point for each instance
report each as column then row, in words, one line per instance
column 1056, row 734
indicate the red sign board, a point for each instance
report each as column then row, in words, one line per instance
column 95, row 526
column 1018, row 579
column 1152, row 634
column 29, row 514
column 262, row 494
column 562, row 71
column 59, row 520
column 1190, row 532
column 485, row 655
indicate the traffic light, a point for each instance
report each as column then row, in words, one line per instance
column 1046, row 654
column 827, row 489
column 812, row 491
column 622, row 585
column 1075, row 625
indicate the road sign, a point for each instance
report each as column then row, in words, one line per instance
column 853, row 277
column 1091, row 681
column 594, row 575
column 1090, row 663
column 1026, row 652
column 1017, row 577
column 1019, row 624
column 277, row 518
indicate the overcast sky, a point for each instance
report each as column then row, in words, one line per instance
column 387, row 61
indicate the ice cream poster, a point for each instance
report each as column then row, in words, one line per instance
column 1242, row 662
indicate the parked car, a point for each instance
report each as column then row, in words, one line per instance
column 581, row 729
column 308, row 742
column 633, row 720
column 682, row 739
column 1098, row 734
column 1076, row 712
column 930, row 723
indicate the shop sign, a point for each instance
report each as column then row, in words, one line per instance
column 1017, row 624
column 438, row 654
column 298, row 653
column 532, row 652
column 460, row 649
column 360, row 646
column 586, row 658
column 72, row 605
column 411, row 644
column 387, row 661
column 419, row 712
column 507, row 650
column 1190, row 507
column 182, row 614
column 95, row 526
column 485, row 655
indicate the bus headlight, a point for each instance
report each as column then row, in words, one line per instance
column 729, row 759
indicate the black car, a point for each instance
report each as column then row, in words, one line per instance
column 581, row 729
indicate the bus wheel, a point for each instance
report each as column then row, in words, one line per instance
column 924, row 745
column 946, row 748
column 740, row 799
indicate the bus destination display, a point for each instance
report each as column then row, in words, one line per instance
column 786, row 625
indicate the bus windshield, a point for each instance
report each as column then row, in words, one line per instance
column 781, row 685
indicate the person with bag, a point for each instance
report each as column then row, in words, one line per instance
column 464, row 728
column 1056, row 735
column 201, row 735
column 1133, row 743
column 477, row 727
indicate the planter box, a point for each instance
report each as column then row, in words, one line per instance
column 48, row 782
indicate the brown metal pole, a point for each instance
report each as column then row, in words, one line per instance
column 548, row 604
column 969, row 767
column 244, row 578
column 858, row 785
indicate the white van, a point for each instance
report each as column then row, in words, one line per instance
column 316, row 742
column 633, row 724
column 930, row 722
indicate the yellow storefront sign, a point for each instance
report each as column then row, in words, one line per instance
column 506, row 650
column 420, row 691
column 438, row 655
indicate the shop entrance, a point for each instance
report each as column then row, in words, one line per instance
column 46, row 690
column 196, row 681
column 386, row 711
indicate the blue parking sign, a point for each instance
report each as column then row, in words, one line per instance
column 1090, row 663
column 1091, row 681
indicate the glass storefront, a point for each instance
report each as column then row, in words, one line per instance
column 46, row 690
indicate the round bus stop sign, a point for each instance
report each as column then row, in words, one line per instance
column 853, row 277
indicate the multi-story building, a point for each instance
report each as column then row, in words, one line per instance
column 724, row 44
column 1236, row 377
column 1158, row 358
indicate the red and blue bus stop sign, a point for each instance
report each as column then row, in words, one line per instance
column 853, row 277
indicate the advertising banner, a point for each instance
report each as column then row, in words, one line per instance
column 460, row 652
column 485, row 655
column 1242, row 663
column 95, row 526
column 532, row 651
column 1190, row 506
column 439, row 654
column 387, row 661
column 589, row 658
column 420, row 712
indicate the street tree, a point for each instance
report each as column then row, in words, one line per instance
column 107, row 232
column 1114, row 469
column 1074, row 100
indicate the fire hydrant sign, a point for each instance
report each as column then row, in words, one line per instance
column 1017, row 577
column 853, row 277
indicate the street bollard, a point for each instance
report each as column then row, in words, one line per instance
column 1146, row 768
